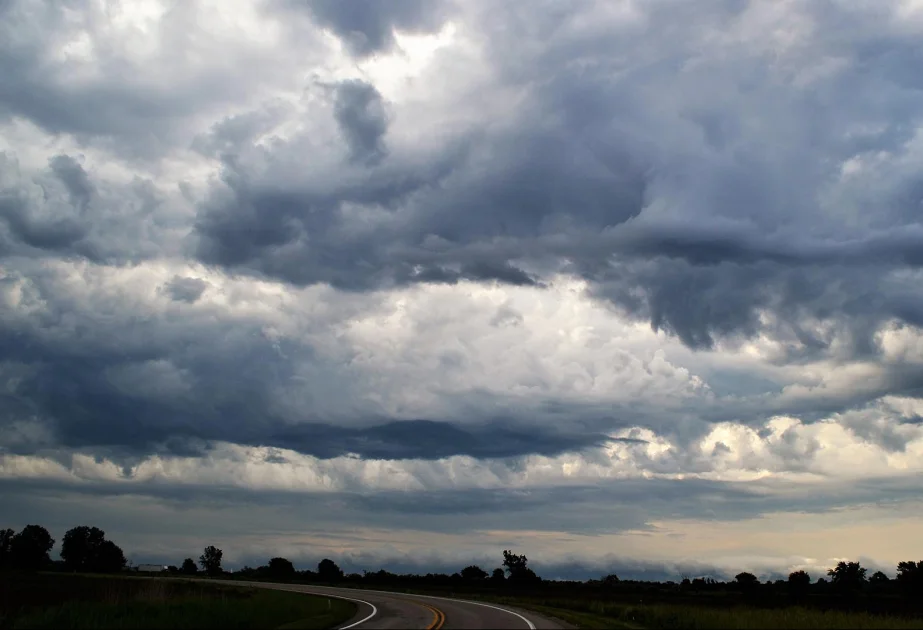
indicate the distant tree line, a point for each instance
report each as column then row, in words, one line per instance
column 515, row 572
column 847, row 585
column 84, row 549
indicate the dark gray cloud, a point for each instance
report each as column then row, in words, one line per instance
column 188, row 379
column 446, row 222
column 606, row 507
column 49, row 226
column 174, row 518
column 186, row 385
column 188, row 520
column 184, row 289
column 60, row 213
column 74, row 178
column 718, row 189
column 360, row 112
column 367, row 28
column 691, row 219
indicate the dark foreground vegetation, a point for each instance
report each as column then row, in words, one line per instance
column 846, row 597
column 56, row 600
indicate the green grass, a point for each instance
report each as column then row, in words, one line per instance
column 65, row 601
column 663, row 616
column 604, row 614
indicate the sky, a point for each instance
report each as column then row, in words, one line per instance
column 626, row 286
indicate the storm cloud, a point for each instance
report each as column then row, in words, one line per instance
column 368, row 29
column 595, row 273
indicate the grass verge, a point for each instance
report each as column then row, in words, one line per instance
column 66, row 601
column 600, row 614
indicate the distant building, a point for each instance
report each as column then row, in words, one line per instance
column 151, row 568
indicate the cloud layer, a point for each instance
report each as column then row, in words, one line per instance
column 591, row 272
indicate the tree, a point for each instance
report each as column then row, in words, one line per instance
column 189, row 567
column 800, row 578
column 6, row 547
column 80, row 546
column 86, row 549
column 879, row 577
column 29, row 548
column 847, row 576
column 518, row 568
column 328, row 571
column 211, row 560
column 282, row 569
column 910, row 577
column 498, row 575
column 610, row 580
column 798, row 584
column 110, row 558
column 473, row 573
column 746, row 580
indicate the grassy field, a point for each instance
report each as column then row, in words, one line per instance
column 69, row 601
column 602, row 614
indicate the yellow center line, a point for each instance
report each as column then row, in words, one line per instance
column 438, row 617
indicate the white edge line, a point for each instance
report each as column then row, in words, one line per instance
column 350, row 599
column 319, row 594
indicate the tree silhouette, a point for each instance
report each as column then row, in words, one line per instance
column 189, row 567
column 746, row 580
column 473, row 573
column 800, row 578
column 110, row 558
column 498, row 575
column 798, row 584
column 211, row 560
column 879, row 577
column 29, row 548
column 328, row 571
column 847, row 577
column 282, row 569
column 518, row 568
column 6, row 547
column 514, row 563
column 910, row 577
column 79, row 546
column 86, row 549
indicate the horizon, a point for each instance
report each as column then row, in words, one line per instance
column 625, row 286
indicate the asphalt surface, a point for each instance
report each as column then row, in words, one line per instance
column 382, row 609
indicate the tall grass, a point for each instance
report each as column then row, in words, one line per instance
column 606, row 614
column 150, row 603
column 694, row 618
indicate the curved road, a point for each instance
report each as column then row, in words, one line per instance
column 383, row 609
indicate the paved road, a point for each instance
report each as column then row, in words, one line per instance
column 381, row 609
